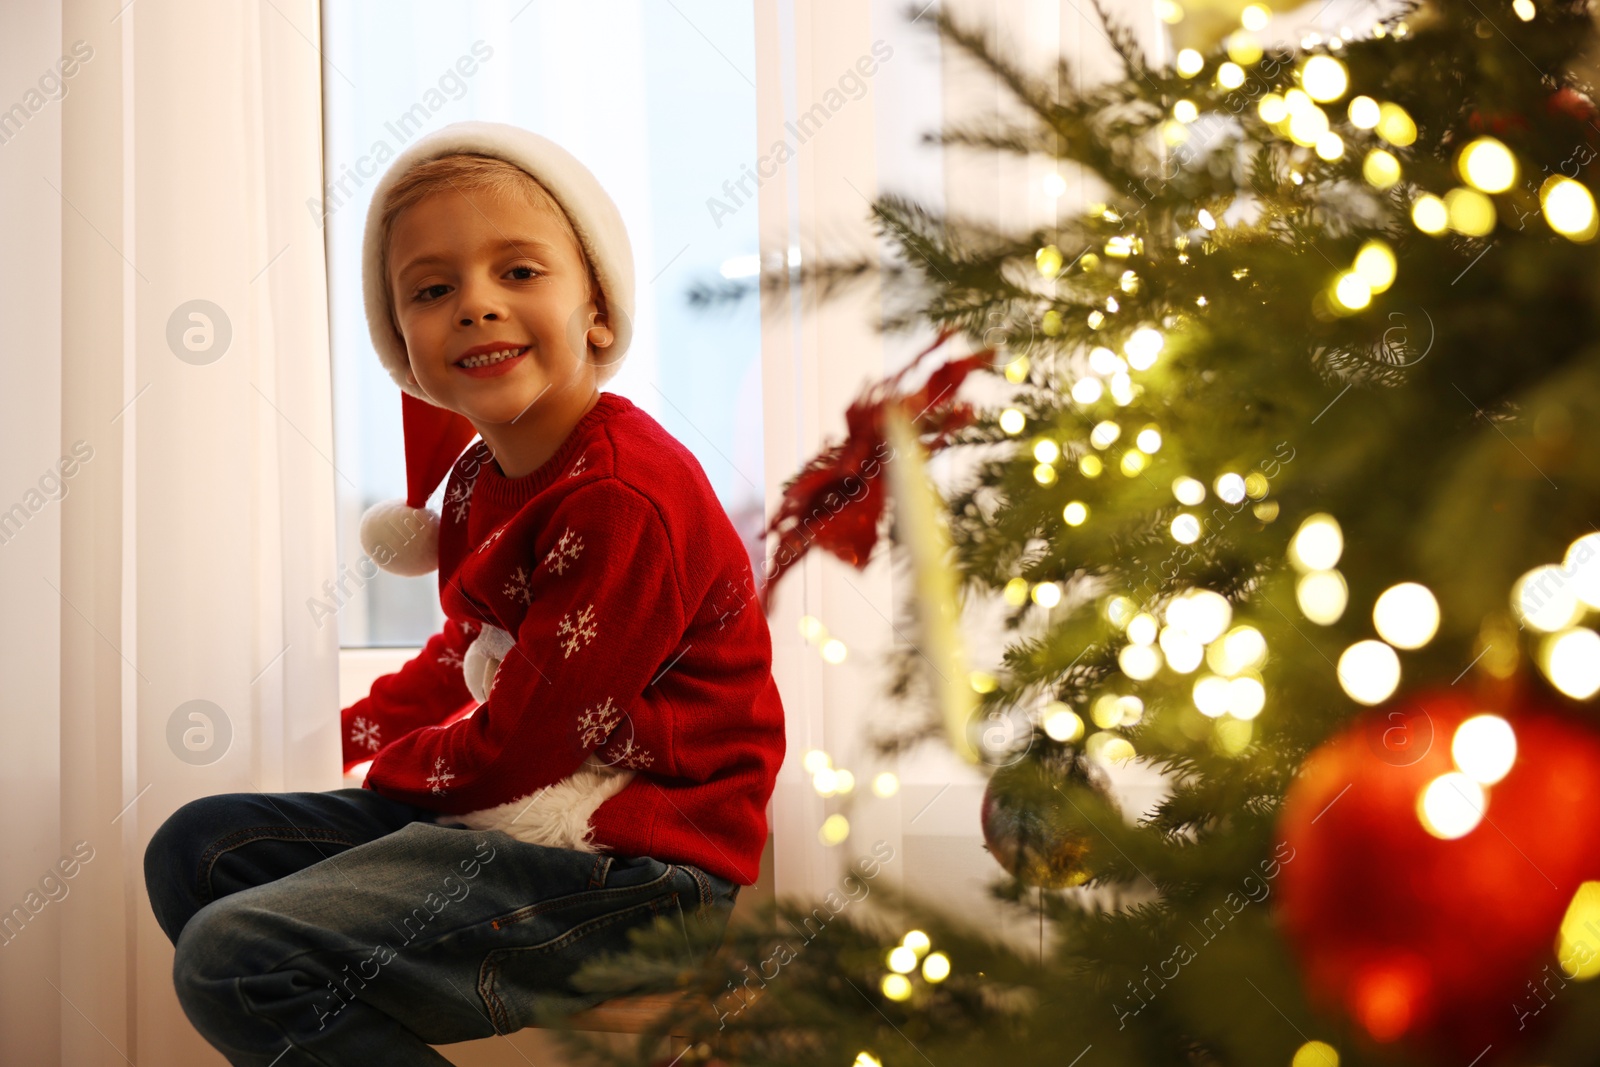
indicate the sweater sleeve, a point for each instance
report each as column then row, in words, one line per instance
column 428, row 689
column 604, row 616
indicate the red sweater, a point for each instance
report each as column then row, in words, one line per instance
column 636, row 712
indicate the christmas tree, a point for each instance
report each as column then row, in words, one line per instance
column 1294, row 498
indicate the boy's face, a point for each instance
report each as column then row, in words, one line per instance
column 471, row 268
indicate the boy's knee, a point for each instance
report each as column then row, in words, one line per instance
column 172, row 862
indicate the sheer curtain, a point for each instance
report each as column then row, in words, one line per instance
column 168, row 481
column 815, row 362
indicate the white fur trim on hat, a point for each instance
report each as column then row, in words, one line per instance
column 593, row 214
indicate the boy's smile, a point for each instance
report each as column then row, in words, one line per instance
column 493, row 298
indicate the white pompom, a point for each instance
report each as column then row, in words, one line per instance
column 483, row 659
column 401, row 540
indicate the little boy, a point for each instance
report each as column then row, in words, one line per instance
column 589, row 742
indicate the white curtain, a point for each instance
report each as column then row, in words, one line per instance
column 196, row 517
column 816, row 361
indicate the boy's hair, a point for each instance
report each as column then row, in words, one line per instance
column 470, row 171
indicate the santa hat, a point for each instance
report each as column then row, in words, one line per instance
column 402, row 536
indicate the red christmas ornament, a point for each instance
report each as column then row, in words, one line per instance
column 836, row 500
column 1419, row 939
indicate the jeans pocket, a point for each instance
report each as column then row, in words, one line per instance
column 520, row 984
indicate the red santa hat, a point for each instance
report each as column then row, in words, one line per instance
column 402, row 536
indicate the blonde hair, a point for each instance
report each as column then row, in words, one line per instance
column 460, row 173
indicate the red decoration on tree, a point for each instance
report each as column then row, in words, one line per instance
column 836, row 500
column 1428, row 941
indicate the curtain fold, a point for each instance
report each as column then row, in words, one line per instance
column 169, row 653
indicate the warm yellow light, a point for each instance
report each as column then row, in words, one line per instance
column 1185, row 111
column 1142, row 628
column 1190, row 63
column 1376, row 265
column 1571, row 660
column 1330, row 146
column 1568, row 208
column 1205, row 219
column 1395, row 125
column 1523, row 9
column 1272, row 109
column 1046, row 594
column 1381, row 169
column 1142, row 347
column 1046, row 450
column 1048, row 261
column 1352, row 291
column 1254, row 17
column 1315, row 1054
column 1134, row 461
column 1139, row 662
column 1576, row 948
column 936, row 968
column 1307, row 124
column 1204, row 615
column 1369, row 671
column 1230, row 487
column 834, row 650
column 1148, row 441
column 1190, row 491
column 1582, row 564
column 1169, row 12
column 1105, row 712
column 835, row 828
column 1104, row 434
column 896, row 986
column 1063, row 724
column 1363, row 112
column 1545, row 599
column 1012, row 421
column 1484, row 748
column 866, row 1059
column 1230, row 75
column 1185, row 528
column 1429, row 215
column 1232, row 736
column 1090, row 466
column 1324, row 78
column 1451, row 806
column 1182, row 651
column 1469, row 211
column 815, row 760
column 1487, row 165
column 825, row 782
column 902, row 959
column 1246, row 697
column 1075, row 513
column 1243, row 48
column 1240, row 649
column 885, row 784
column 1211, row 695
column 1406, row 615
column 1317, row 544
column 917, row 941
column 1322, row 596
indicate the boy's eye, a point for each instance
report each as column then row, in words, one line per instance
column 529, row 272
column 427, row 292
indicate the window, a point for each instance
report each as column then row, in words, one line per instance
column 658, row 100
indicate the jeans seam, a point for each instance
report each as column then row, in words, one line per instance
column 500, row 1018
column 240, row 838
column 706, row 893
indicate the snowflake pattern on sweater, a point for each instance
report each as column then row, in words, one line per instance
column 459, row 500
column 565, row 552
column 578, row 634
column 364, row 733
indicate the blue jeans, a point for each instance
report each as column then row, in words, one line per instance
column 345, row 928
